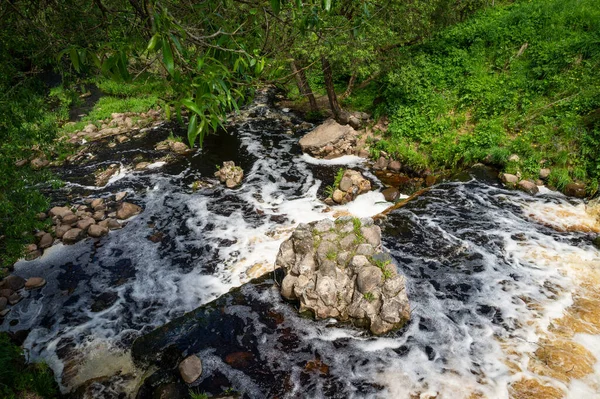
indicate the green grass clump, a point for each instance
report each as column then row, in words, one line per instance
column 356, row 225
column 519, row 78
column 19, row 379
column 369, row 296
column 336, row 182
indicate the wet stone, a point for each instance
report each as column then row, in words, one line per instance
column 85, row 223
column 190, row 369
column 34, row 282
column 127, row 210
column 97, row 231
column 72, row 236
column 3, row 303
column 14, row 282
column 70, row 219
column 46, row 241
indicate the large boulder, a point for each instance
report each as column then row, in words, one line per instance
column 329, row 140
column 338, row 270
column 230, row 174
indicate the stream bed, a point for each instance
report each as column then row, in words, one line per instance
column 502, row 285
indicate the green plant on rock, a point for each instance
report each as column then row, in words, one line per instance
column 383, row 266
column 336, row 182
column 357, row 231
column 331, row 254
column 369, row 296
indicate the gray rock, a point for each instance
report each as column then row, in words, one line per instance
column 528, row 187
column 372, row 235
column 127, row 210
column 369, row 278
column 230, row 174
column 514, row 158
column 354, row 122
column 345, row 287
column 111, row 223
column 544, row 173
column 190, row 369
column 329, row 133
column 346, row 183
column 3, row 303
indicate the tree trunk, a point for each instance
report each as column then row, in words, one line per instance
column 350, row 86
column 303, row 86
column 328, row 77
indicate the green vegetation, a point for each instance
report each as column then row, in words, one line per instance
column 369, row 296
column 19, row 379
column 336, row 183
column 518, row 79
column 332, row 254
column 383, row 266
column 356, row 225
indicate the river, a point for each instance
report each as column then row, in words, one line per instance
column 502, row 285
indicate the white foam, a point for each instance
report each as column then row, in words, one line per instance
column 347, row 160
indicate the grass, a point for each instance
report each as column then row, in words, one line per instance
column 383, row 266
column 331, row 254
column 356, row 225
column 514, row 79
column 19, row 379
column 369, row 296
column 336, row 182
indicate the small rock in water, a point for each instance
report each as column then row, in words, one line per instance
column 178, row 147
column 97, row 231
column 62, row 229
column 528, row 187
column 14, row 299
column 391, row 194
column 141, row 166
column 230, row 174
column 97, row 202
column 575, row 190
column 127, row 210
column 381, row 164
column 111, row 223
column 34, row 282
column 190, row 369
column 120, row 196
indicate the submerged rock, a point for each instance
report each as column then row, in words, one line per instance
column 127, row 210
column 230, row 174
column 327, row 274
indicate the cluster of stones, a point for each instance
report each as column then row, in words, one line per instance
column 71, row 225
column 116, row 125
column 331, row 140
column 10, row 290
column 338, row 270
column 352, row 185
column 531, row 187
column 175, row 146
column 230, row 175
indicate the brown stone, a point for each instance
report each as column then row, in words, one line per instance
column 120, row 196
column 96, row 203
column 85, row 223
column 98, row 216
column 61, row 230
column 575, row 190
column 97, row 231
column 3, row 303
column 46, row 241
column 14, row 299
column 33, row 283
column 70, row 219
column 395, row 166
column 507, row 178
column 60, row 211
column 190, row 369
column 127, row 210
column 72, row 236
column 14, row 282
column 528, row 187
column 391, row 194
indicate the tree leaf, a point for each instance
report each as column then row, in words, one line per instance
column 327, row 5
column 153, row 42
column 276, row 6
column 168, row 57
column 74, row 58
column 192, row 106
column 193, row 130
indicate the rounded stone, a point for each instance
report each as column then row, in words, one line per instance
column 34, row 282
column 190, row 369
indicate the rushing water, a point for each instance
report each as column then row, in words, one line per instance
column 493, row 277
